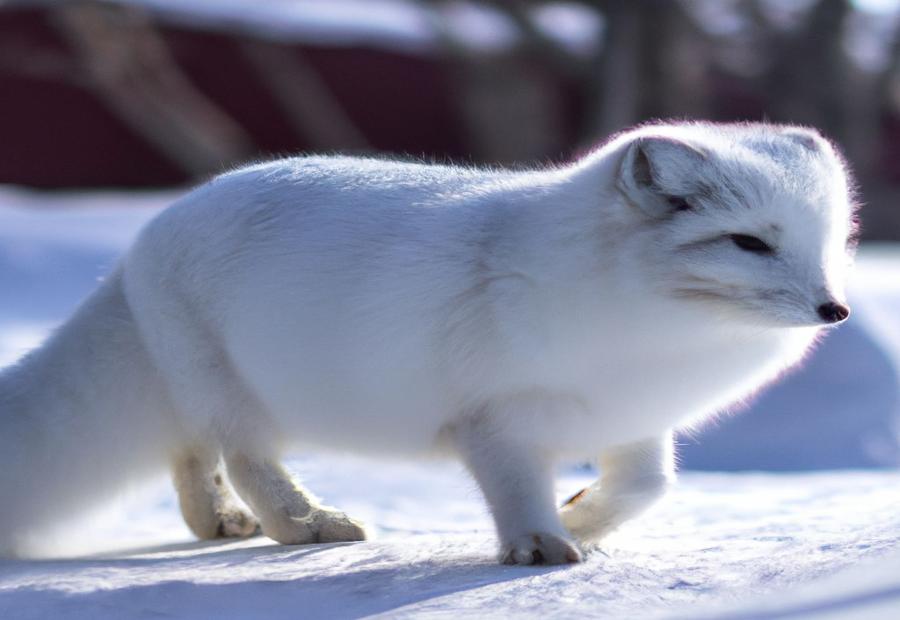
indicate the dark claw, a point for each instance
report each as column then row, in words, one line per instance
column 575, row 497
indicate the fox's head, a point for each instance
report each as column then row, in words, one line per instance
column 754, row 221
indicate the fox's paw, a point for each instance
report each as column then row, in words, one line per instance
column 236, row 523
column 335, row 526
column 540, row 548
column 321, row 525
column 585, row 526
column 222, row 522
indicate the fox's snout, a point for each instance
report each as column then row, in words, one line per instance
column 833, row 312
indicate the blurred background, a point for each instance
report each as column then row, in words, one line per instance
column 161, row 94
column 156, row 93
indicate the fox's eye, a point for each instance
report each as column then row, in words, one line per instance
column 679, row 203
column 753, row 244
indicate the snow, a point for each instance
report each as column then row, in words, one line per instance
column 840, row 409
column 400, row 25
column 719, row 538
column 820, row 544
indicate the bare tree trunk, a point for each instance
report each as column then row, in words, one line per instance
column 510, row 112
column 614, row 87
column 652, row 65
column 310, row 107
column 131, row 69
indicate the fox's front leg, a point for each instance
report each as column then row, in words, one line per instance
column 517, row 482
column 633, row 478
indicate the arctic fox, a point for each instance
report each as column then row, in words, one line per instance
column 513, row 318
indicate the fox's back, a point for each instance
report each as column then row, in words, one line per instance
column 332, row 284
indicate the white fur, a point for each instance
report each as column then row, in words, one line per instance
column 515, row 318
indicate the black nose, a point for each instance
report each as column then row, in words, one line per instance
column 833, row 312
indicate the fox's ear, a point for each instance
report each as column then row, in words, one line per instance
column 658, row 174
column 806, row 137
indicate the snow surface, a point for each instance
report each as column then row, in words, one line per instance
column 718, row 539
column 824, row 544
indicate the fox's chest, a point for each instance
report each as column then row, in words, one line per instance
column 641, row 389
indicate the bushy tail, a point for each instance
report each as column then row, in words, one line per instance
column 80, row 417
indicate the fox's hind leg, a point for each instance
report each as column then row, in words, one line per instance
column 205, row 497
column 288, row 513
column 214, row 400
